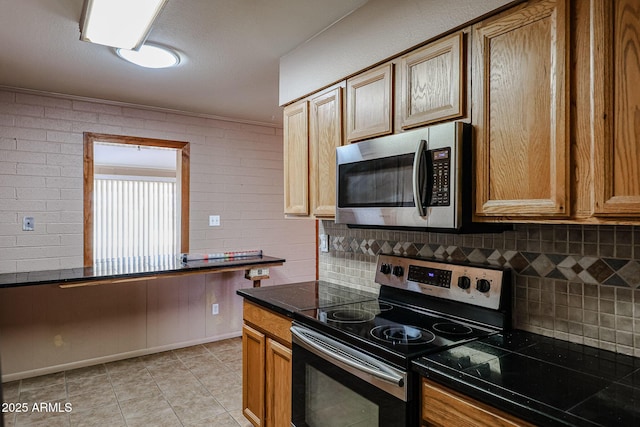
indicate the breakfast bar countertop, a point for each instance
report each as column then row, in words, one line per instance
column 542, row 380
column 119, row 271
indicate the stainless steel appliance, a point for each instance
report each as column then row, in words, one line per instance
column 419, row 178
column 352, row 362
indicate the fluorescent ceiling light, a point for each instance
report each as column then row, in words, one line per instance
column 150, row 56
column 119, row 23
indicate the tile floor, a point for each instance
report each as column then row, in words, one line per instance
column 193, row 386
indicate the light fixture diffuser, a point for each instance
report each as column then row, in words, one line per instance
column 121, row 24
column 150, row 56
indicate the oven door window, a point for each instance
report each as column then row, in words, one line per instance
column 384, row 182
column 324, row 395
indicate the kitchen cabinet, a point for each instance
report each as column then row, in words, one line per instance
column 266, row 367
column 370, row 103
column 324, row 137
column 432, row 82
column 520, row 111
column 296, row 158
column 442, row 407
column 312, row 131
column 616, row 96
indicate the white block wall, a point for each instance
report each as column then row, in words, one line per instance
column 236, row 172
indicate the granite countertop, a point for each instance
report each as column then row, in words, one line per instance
column 291, row 298
column 133, row 269
column 542, row 380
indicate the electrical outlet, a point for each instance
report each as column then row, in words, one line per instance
column 28, row 223
column 214, row 220
column 215, row 309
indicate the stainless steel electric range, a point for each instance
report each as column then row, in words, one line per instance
column 352, row 362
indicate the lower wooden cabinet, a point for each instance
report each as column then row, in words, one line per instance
column 266, row 367
column 442, row 407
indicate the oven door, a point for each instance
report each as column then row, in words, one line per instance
column 335, row 385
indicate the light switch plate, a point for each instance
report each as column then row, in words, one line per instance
column 324, row 243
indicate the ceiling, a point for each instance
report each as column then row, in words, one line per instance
column 230, row 52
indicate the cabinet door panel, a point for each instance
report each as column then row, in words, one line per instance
column 369, row 109
column 520, row 112
column 253, row 385
column 616, row 114
column 442, row 408
column 325, row 136
column 432, row 80
column 296, row 159
column 278, row 389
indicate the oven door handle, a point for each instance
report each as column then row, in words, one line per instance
column 329, row 349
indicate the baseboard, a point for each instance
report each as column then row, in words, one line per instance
column 113, row 357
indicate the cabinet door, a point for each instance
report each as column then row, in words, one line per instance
column 296, row 159
column 432, row 82
column 253, row 379
column 520, row 111
column 443, row 408
column 616, row 117
column 325, row 136
column 278, row 389
column 369, row 107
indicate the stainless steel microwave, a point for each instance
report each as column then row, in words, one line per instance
column 419, row 178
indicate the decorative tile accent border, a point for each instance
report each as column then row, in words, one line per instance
column 586, row 269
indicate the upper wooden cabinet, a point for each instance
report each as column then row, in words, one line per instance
column 520, row 111
column 616, row 112
column 312, row 131
column 370, row 103
column 432, row 82
column 324, row 137
column 296, row 159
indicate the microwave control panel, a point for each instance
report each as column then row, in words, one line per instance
column 441, row 167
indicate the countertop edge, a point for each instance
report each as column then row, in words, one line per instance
column 195, row 268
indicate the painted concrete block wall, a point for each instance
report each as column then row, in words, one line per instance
column 236, row 172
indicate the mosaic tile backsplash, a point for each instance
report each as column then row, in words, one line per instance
column 573, row 282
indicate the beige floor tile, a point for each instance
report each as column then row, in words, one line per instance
column 196, row 350
column 50, row 393
column 42, row 418
column 93, row 399
column 87, row 372
column 154, row 411
column 229, row 397
column 194, row 408
column 11, row 391
column 100, row 383
column 106, row 415
column 228, row 344
column 42, row 381
column 125, row 366
column 222, row 420
column 240, row 419
column 158, row 359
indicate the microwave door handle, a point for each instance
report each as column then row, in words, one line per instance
column 417, row 164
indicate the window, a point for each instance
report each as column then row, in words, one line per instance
column 136, row 198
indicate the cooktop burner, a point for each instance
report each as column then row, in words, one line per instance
column 349, row 315
column 450, row 328
column 402, row 334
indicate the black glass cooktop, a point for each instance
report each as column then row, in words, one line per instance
column 393, row 332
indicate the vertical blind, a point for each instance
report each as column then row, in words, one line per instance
column 134, row 219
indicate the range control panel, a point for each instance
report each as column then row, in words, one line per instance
column 464, row 283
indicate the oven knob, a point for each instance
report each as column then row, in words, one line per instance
column 464, row 282
column 483, row 285
column 385, row 268
column 398, row 271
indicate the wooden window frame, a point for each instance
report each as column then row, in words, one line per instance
column 182, row 170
